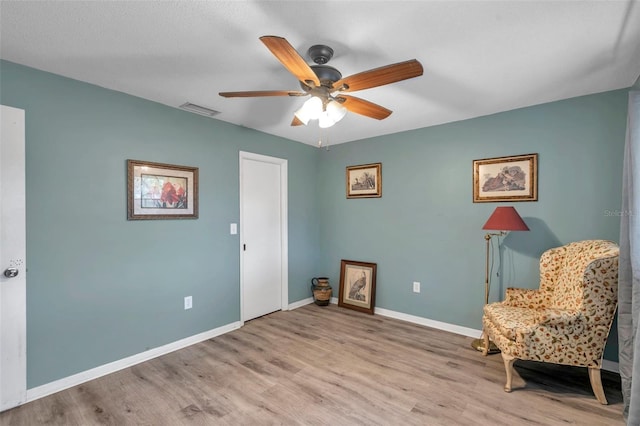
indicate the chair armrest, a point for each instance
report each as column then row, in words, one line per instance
column 555, row 317
column 524, row 298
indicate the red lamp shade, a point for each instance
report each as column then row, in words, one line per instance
column 505, row 219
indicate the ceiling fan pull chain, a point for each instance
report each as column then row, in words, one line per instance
column 326, row 140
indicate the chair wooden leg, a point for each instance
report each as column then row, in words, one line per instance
column 508, row 366
column 596, row 385
column 485, row 350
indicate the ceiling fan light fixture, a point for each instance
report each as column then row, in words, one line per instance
column 301, row 115
column 325, row 121
column 310, row 110
column 336, row 111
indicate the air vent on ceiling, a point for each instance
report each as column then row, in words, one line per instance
column 188, row 106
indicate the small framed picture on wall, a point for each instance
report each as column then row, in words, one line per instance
column 511, row 179
column 161, row 191
column 364, row 181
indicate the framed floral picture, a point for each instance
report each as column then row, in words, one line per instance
column 364, row 181
column 161, row 191
column 357, row 286
column 512, row 178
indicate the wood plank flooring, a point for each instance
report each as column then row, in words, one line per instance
column 329, row 366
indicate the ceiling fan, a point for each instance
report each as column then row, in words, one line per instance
column 326, row 86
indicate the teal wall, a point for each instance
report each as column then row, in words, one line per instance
column 101, row 288
column 426, row 228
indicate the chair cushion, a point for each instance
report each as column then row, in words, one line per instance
column 527, row 298
column 510, row 319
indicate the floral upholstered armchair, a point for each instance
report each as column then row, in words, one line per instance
column 565, row 321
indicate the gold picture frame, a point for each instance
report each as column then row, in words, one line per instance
column 161, row 191
column 357, row 286
column 364, row 181
column 513, row 178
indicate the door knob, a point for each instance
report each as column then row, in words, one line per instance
column 11, row 272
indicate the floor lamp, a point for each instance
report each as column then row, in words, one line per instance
column 502, row 219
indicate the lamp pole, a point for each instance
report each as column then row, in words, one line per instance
column 478, row 344
column 487, row 238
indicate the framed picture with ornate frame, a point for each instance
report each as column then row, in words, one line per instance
column 357, row 286
column 161, row 191
column 512, row 178
column 364, row 181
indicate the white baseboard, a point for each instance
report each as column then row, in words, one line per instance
column 457, row 329
column 308, row 301
column 112, row 367
column 300, row 303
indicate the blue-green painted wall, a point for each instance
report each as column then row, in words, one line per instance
column 101, row 288
column 426, row 228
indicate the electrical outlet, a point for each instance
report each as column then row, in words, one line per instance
column 416, row 287
column 188, row 302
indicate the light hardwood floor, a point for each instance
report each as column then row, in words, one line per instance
column 329, row 366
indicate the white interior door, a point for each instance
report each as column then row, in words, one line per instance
column 263, row 235
column 13, row 319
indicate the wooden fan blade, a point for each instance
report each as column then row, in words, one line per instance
column 362, row 107
column 255, row 93
column 290, row 58
column 296, row 121
column 380, row 76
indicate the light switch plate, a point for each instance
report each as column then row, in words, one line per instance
column 233, row 228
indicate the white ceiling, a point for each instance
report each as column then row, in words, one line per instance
column 479, row 57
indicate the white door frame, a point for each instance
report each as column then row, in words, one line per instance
column 13, row 298
column 283, row 228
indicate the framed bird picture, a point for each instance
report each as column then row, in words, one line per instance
column 357, row 286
